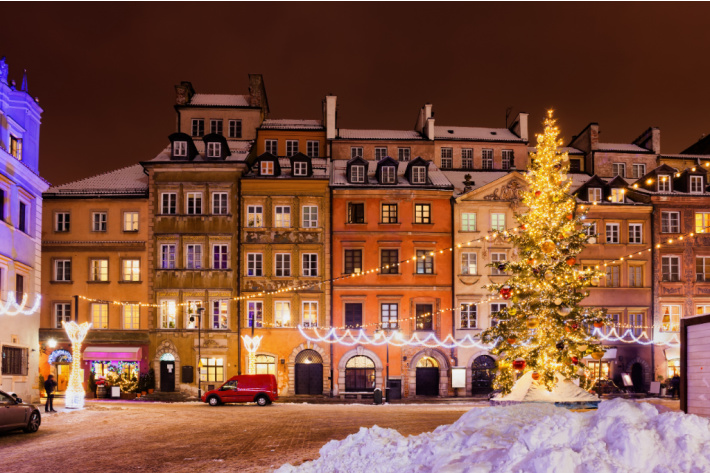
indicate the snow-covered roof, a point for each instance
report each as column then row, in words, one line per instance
column 291, row 124
column 624, row 147
column 219, row 100
column 474, row 134
column 351, row 134
column 436, row 177
column 561, row 149
column 239, row 149
column 319, row 165
column 130, row 180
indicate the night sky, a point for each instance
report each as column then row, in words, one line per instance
column 105, row 73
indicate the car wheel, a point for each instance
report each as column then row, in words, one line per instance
column 213, row 401
column 262, row 400
column 34, row 422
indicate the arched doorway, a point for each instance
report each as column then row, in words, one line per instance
column 637, row 377
column 360, row 374
column 309, row 372
column 427, row 377
column 61, row 361
column 167, row 372
column 482, row 373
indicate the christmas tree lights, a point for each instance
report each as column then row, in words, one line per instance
column 74, row 397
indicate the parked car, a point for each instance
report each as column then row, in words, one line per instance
column 14, row 414
column 258, row 388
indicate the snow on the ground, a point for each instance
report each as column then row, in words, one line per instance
column 619, row 437
column 528, row 390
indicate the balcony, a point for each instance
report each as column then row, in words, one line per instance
column 209, row 278
column 194, row 224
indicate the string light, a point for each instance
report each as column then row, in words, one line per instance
column 74, row 397
column 11, row 307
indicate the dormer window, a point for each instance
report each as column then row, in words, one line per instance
column 388, row 175
column 418, row 175
column 180, row 148
column 357, row 174
column 266, row 168
column 214, row 149
column 696, row 184
column 300, row 168
column 617, row 195
column 664, row 183
column 595, row 194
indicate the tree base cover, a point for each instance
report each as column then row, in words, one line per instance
column 565, row 394
column 619, row 437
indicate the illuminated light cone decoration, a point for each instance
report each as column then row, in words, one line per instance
column 252, row 345
column 544, row 329
column 74, row 397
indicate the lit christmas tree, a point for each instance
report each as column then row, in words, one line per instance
column 545, row 330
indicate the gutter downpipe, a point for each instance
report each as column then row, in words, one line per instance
column 239, row 275
column 332, row 286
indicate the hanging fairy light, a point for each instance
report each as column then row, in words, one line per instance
column 252, row 345
column 74, row 397
column 11, row 307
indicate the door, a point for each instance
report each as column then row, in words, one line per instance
column 167, row 376
column 309, row 378
column 427, row 381
column 482, row 372
column 63, row 371
column 637, row 377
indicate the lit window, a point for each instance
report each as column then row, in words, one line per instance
column 265, row 364
column 702, row 222
column 664, row 183
column 255, row 314
column 494, row 309
column 212, row 370
column 282, row 218
column 469, row 314
column 498, row 222
column 310, row 314
column 131, row 316
column 468, row 263
column 389, row 316
column 497, row 259
column 310, row 216
column 255, row 265
column 16, row 147
column 220, row 314
column 282, row 314
column 99, row 270
column 594, row 194
column 425, row 262
column 131, row 270
column 617, row 195
column 670, row 321
column 266, row 168
column 702, row 268
column 468, row 222
column 130, row 221
column 422, row 213
column 99, row 315
column 255, row 216
column 192, row 314
column 168, row 309
column 389, row 213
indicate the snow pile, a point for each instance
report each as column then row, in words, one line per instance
column 528, row 390
column 621, row 436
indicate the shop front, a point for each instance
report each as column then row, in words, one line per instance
column 115, row 366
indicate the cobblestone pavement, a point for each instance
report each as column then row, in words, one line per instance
column 134, row 436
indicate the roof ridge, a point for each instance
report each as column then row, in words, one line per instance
column 95, row 175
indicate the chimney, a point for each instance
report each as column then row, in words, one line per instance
column 330, row 116
column 520, row 126
column 650, row 139
column 184, row 92
column 257, row 93
column 429, row 132
column 424, row 115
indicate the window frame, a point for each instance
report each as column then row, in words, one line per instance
column 670, row 268
column 98, row 267
column 255, row 264
column 170, row 205
column 292, row 147
column 355, row 255
column 664, row 183
column 389, row 260
column 282, row 216
column 487, row 158
column 300, row 168
column 220, row 259
column 380, row 152
column 425, row 265
column 197, row 127
column 196, row 256
column 448, row 155
column 696, row 184
column 594, row 194
column 389, row 311
column 129, row 228
column 673, row 222
column 702, row 222
column 193, row 199
column 135, row 318
column 389, row 213
column 356, row 152
column 616, row 167
column 168, row 258
column 356, row 213
column 470, row 311
column 466, row 263
column 271, row 147
column 220, row 203
column 615, row 237
column 635, row 230
column 101, row 222
column 307, row 220
column 279, row 314
column 466, row 160
column 422, row 213
column 311, row 312
column 65, row 273
column 103, row 314
column 129, row 270
column 216, row 125
column 235, row 128
column 61, row 312
column 61, row 225
column 404, row 154
column 313, row 148
column 309, row 265
column 255, row 215
column 282, row 269
column 635, row 167
column 255, row 314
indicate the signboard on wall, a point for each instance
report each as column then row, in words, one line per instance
column 458, row 377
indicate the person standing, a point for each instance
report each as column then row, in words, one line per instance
column 49, row 387
column 675, row 383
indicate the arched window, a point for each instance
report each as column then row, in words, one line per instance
column 427, row 362
column 167, row 357
column 360, row 374
column 265, row 364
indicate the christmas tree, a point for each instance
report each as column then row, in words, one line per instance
column 544, row 329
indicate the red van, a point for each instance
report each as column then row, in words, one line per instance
column 258, row 388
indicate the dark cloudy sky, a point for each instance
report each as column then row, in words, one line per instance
column 105, row 73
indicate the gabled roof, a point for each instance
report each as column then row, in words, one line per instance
column 128, row 181
column 291, row 124
column 702, row 146
column 480, row 181
column 437, row 179
column 239, row 151
column 562, row 149
column 283, row 167
column 475, row 134
column 219, row 100
column 350, row 134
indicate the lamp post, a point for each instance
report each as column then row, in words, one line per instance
column 200, row 310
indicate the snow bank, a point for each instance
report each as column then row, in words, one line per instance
column 620, row 437
column 528, row 390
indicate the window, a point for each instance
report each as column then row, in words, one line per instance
column 468, row 263
column 356, row 212
column 291, row 147
column 418, row 175
column 192, row 314
column 638, row 170
column 212, row 370
column 353, row 315
column 425, row 262
column 283, row 265
column 99, row 315
column 495, row 308
column 496, row 259
column 62, row 313
column 389, row 316
column 310, row 216
column 635, row 276
column 702, row 309
column 272, row 147
column 193, row 257
column 696, row 184
column 3, row 203
column 702, row 222
column 198, row 126
column 130, row 221
column 310, row 264
column 255, row 266
column 266, row 168
column 220, row 315
column 424, row 317
column 636, row 324
column 670, row 321
column 404, row 154
column 99, row 221
column 670, row 222
column 194, row 203
column 594, row 194
column 219, row 203
column 702, row 268
column 167, row 314
column 389, row 261
column 300, row 168
column 447, row 158
column 380, row 152
column 589, row 229
column 61, row 221
column 282, row 314
column 389, row 213
column 468, row 222
column 313, row 148
column 14, row 361
column 167, row 256
column 670, row 268
column 131, row 270
column 467, row 158
column 255, row 216
column 265, row 364
column 168, row 203
column 19, row 288
column 618, row 169
column 282, row 217
column 617, row 195
column 216, row 125
column 612, row 276
column 220, row 256
column 355, row 152
column 255, row 314
column 309, row 314
column 357, row 174
column 635, row 233
column 612, row 233
column 360, row 374
column 353, row 261
column 62, row 270
column 99, row 270
column 422, row 213
column 16, row 147
column 613, row 325
column 235, row 128
column 388, row 174
column 469, row 315
column 487, row 159
column 575, row 165
column 214, row 149
column 507, row 160
column 664, row 183
column 131, row 316
column 498, row 222
column 180, row 148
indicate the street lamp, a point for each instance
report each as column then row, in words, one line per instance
column 200, row 310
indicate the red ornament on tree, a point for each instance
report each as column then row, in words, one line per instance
column 571, row 260
column 535, row 375
column 570, row 216
column 575, row 360
column 519, row 364
column 537, row 193
column 505, row 292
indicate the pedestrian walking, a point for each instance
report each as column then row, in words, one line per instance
column 675, row 384
column 49, row 387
